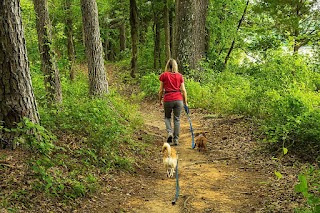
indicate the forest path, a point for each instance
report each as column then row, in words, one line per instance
column 236, row 174
column 209, row 182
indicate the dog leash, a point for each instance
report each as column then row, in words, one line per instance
column 186, row 109
column 177, row 186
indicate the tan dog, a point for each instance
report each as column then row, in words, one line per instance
column 170, row 159
column 201, row 141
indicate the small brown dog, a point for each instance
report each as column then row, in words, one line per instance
column 201, row 141
column 170, row 159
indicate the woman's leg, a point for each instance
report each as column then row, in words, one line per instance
column 177, row 108
column 167, row 118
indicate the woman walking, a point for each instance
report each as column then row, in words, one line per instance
column 174, row 94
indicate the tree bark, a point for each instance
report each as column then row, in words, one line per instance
column 16, row 94
column 157, row 37
column 105, row 45
column 134, row 36
column 167, row 30
column 199, row 32
column 190, row 33
column 98, row 84
column 69, row 33
column 171, row 27
column 122, row 37
column 47, row 54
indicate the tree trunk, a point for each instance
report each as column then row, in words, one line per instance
column 16, row 94
column 156, row 50
column 182, row 47
column 143, row 29
column 238, row 27
column 134, row 36
column 199, row 31
column 190, row 33
column 105, row 45
column 98, row 84
column 69, row 33
column 47, row 54
column 109, row 50
column 171, row 27
column 112, row 53
column 296, row 47
column 297, row 44
column 122, row 37
column 167, row 30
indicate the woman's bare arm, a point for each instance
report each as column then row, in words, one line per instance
column 184, row 94
column 160, row 92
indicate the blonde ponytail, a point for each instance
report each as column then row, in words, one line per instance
column 172, row 66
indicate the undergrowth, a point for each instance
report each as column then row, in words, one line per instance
column 76, row 143
column 280, row 94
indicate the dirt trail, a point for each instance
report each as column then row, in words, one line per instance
column 208, row 182
column 236, row 174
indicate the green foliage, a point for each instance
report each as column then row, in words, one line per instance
column 30, row 30
column 309, row 128
column 103, row 123
column 95, row 135
column 35, row 137
column 222, row 92
column 297, row 23
column 231, row 92
column 46, row 165
column 308, row 186
column 222, row 20
column 150, row 85
column 280, row 93
column 146, row 51
column 198, row 96
column 280, row 90
column 283, row 96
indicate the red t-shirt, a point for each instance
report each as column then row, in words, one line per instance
column 171, row 83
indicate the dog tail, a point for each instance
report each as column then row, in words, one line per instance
column 168, row 147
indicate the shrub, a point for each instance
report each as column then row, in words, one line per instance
column 308, row 186
column 198, row 96
column 150, row 85
column 98, row 128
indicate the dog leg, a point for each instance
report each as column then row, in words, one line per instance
column 172, row 172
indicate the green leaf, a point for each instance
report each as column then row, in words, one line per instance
column 303, row 185
column 285, row 150
column 278, row 174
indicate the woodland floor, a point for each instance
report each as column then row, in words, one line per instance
column 235, row 174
